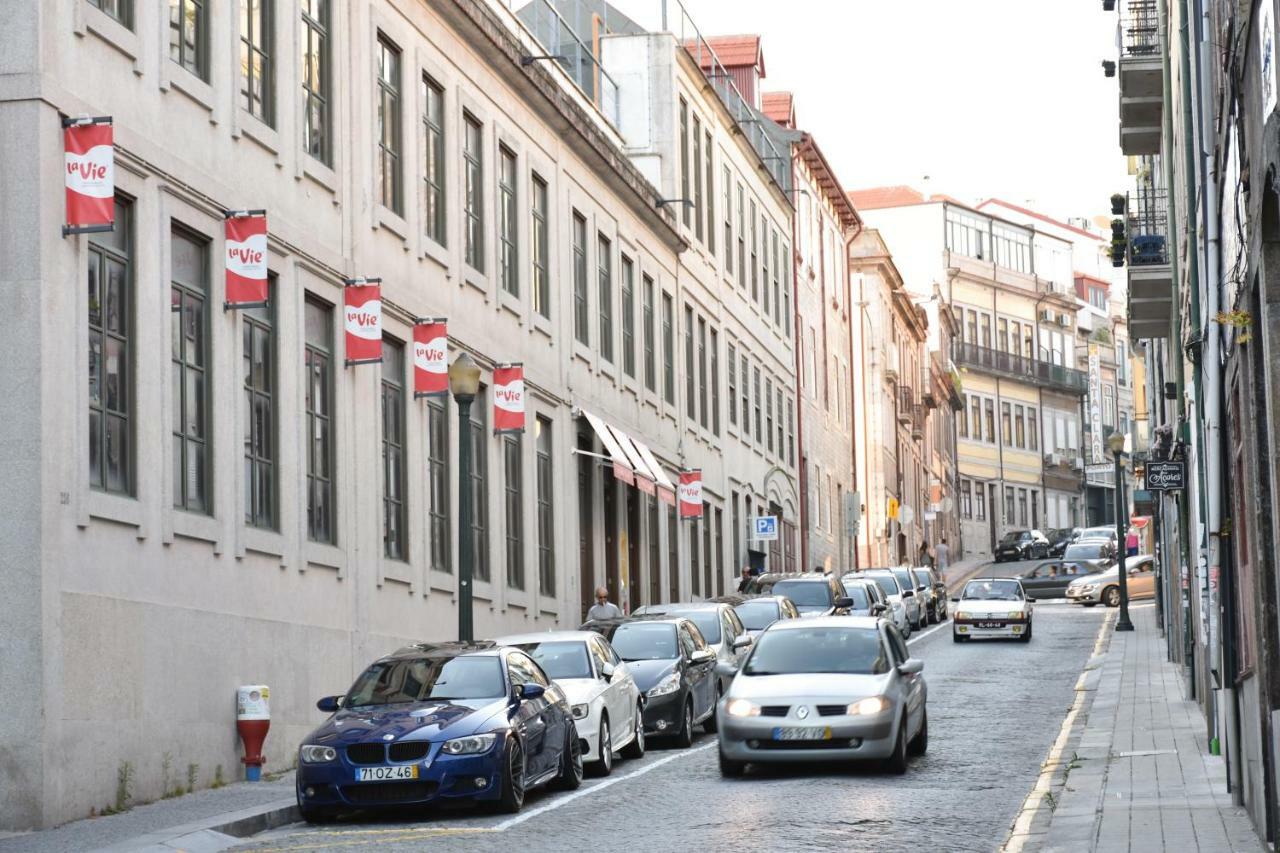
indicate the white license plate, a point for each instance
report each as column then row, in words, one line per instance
column 801, row 733
column 386, row 774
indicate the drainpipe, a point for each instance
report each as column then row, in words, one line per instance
column 853, row 422
column 799, row 344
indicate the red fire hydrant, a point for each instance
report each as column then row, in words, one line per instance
column 253, row 719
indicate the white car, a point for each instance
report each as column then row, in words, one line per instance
column 992, row 607
column 607, row 705
column 898, row 614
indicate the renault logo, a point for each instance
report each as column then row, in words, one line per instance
column 802, row 711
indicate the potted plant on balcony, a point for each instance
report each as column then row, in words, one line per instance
column 1117, row 204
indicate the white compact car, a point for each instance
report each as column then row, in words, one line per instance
column 607, row 705
column 992, row 607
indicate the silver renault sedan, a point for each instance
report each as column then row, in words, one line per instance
column 825, row 689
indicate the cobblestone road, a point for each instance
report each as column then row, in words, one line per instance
column 994, row 710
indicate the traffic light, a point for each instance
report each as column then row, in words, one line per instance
column 1118, row 243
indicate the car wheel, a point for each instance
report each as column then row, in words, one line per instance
column 710, row 723
column 1111, row 596
column 920, row 743
column 511, row 797
column 570, row 776
column 603, row 766
column 897, row 762
column 1026, row 636
column 635, row 749
column 958, row 638
column 731, row 769
column 684, row 737
column 316, row 814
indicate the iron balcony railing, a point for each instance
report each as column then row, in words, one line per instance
column 1043, row 373
column 564, row 47
column 1139, row 29
column 1147, row 226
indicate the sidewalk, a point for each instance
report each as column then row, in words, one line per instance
column 960, row 571
column 203, row 822
column 1134, row 773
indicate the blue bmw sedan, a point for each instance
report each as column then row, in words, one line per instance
column 439, row 722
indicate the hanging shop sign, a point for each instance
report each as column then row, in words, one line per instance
column 430, row 357
column 90, row 175
column 1095, row 404
column 363, row 320
column 1166, row 476
column 690, row 493
column 246, row 258
column 508, row 398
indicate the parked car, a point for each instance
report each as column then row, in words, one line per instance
column 897, row 597
column 815, row 595
column 1060, row 538
column 763, row 584
column 1104, row 587
column 927, row 594
column 1102, row 551
column 1104, row 531
column 911, row 597
column 1050, row 578
column 762, row 611
column 940, row 599
column 1022, row 545
column 719, row 625
column 674, row 668
column 868, row 599
column 993, row 607
column 826, row 690
column 431, row 722
column 606, row 703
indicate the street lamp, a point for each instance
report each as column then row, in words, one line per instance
column 464, row 384
column 1116, row 443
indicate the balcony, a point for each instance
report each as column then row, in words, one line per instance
column 1150, row 274
column 1006, row 365
column 905, row 405
column 917, row 422
column 1141, row 77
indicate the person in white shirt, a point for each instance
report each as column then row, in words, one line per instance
column 940, row 553
column 603, row 608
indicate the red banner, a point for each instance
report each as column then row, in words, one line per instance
column 430, row 358
column 90, row 175
column 508, row 398
column 363, row 303
column 246, row 240
column 690, row 489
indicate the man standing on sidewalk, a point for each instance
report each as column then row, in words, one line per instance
column 603, row 608
column 940, row 553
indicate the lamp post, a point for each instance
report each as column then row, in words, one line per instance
column 464, row 384
column 1116, row 443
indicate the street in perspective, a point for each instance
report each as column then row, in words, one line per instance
column 545, row 425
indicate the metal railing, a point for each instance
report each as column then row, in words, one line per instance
column 559, row 37
column 1139, row 28
column 1147, row 226
column 906, row 402
column 1020, row 367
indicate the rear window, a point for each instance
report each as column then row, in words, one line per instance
column 888, row 584
column 757, row 615
column 708, row 622
column 904, row 578
column 858, row 592
column 814, row 593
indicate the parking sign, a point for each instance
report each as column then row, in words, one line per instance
column 766, row 527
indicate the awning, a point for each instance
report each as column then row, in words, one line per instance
column 622, row 467
column 647, row 480
column 633, row 461
column 666, row 489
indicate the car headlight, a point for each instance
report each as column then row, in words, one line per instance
column 1016, row 614
column 1085, row 588
column 580, row 712
column 963, row 614
column 870, row 705
column 313, row 754
column 469, row 745
column 742, row 708
column 670, row 684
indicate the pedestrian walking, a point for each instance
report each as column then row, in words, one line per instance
column 923, row 558
column 1131, row 543
column 603, row 608
column 941, row 554
column 744, row 583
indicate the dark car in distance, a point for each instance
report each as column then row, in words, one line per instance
column 1050, row 578
column 1059, row 538
column 1022, row 545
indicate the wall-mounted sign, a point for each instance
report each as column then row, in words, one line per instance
column 766, row 527
column 1095, row 404
column 1166, row 476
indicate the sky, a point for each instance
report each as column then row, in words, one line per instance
column 987, row 98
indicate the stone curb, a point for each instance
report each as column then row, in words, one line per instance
column 220, row 832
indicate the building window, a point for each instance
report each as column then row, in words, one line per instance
column 791, row 433
column 189, row 36
column 1033, row 429
column 479, row 490
column 1009, row 518
column 690, row 396
column 473, row 191
column 786, row 288
column 546, row 510
column 755, row 255
column 962, row 418
column 711, row 198
column 673, row 555
column 702, row 372
column 778, row 400
column 966, row 499
column 697, row 178
column 433, row 167
column 394, row 514
column 967, row 234
column 768, row 420
column 604, row 264
column 714, row 380
column 581, row 322
column 1098, row 298
column 732, row 361
column 755, row 381
column 508, row 250
column 777, row 284
column 512, row 485
column 650, row 364
column 315, row 79
column 695, row 538
column 189, row 293
column 438, row 484
column 728, row 221
column 746, row 398
column 989, row 409
column 628, row 316
column 742, row 240
column 1108, row 405
column 1006, row 425
column 541, row 250
column 120, row 10
column 668, row 349
column 684, row 161
column 318, row 361
column 259, row 358
column 979, row 502
column 389, row 165
column 1020, row 437
column 1022, row 507
column 110, row 355
column 1011, row 247
column 255, row 58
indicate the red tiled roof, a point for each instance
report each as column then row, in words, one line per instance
column 779, row 107
column 1024, row 211
column 733, row 51
column 899, row 196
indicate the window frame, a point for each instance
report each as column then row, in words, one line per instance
column 258, row 40
column 544, row 474
column 439, row 497
column 261, row 320
column 199, row 64
column 315, row 353
column 627, row 308
column 101, row 254
column 434, row 173
column 317, row 100
column 513, row 507
column 389, row 112
column 604, row 295
column 395, row 509
column 179, row 362
column 540, row 245
column 473, row 245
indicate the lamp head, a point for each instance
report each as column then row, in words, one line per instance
column 464, row 376
column 1115, row 441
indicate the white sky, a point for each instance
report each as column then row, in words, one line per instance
column 989, row 98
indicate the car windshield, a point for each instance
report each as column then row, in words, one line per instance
column 815, row 593
column 922, row 577
column 1098, row 533
column 1012, row 538
column 757, row 615
column 391, row 682
column 708, row 622
column 1085, row 550
column 641, row 641
column 858, row 592
column 853, row 651
column 561, row 659
column 993, row 590
column 904, row 578
column 888, row 584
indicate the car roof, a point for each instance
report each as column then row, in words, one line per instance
column 827, row 622
column 733, row 599
column 449, row 649
column 598, row 626
column 777, row 599
column 1012, row 578
column 680, row 606
column 545, row 637
column 809, row 577
column 778, row 576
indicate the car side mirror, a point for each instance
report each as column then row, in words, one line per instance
column 607, row 670
column 911, row 666
column 532, row 691
column 955, row 599
column 702, row 656
column 844, row 602
column 1029, row 600
column 742, row 642
column 877, row 609
column 906, row 593
column 329, row 704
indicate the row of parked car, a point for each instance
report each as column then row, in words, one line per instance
column 489, row 721
column 1038, row 545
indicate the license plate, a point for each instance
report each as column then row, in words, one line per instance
column 801, row 733
column 990, row 625
column 386, row 774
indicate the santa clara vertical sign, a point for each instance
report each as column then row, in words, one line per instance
column 430, row 358
column 362, row 303
column 89, row 149
column 246, row 242
column 690, row 493
column 508, row 398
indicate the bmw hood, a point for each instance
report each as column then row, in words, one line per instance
column 647, row 673
column 408, row 721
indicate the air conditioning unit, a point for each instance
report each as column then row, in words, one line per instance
column 1077, row 464
column 1052, row 459
column 1064, row 320
column 1047, row 315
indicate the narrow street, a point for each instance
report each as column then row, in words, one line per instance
column 994, row 710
